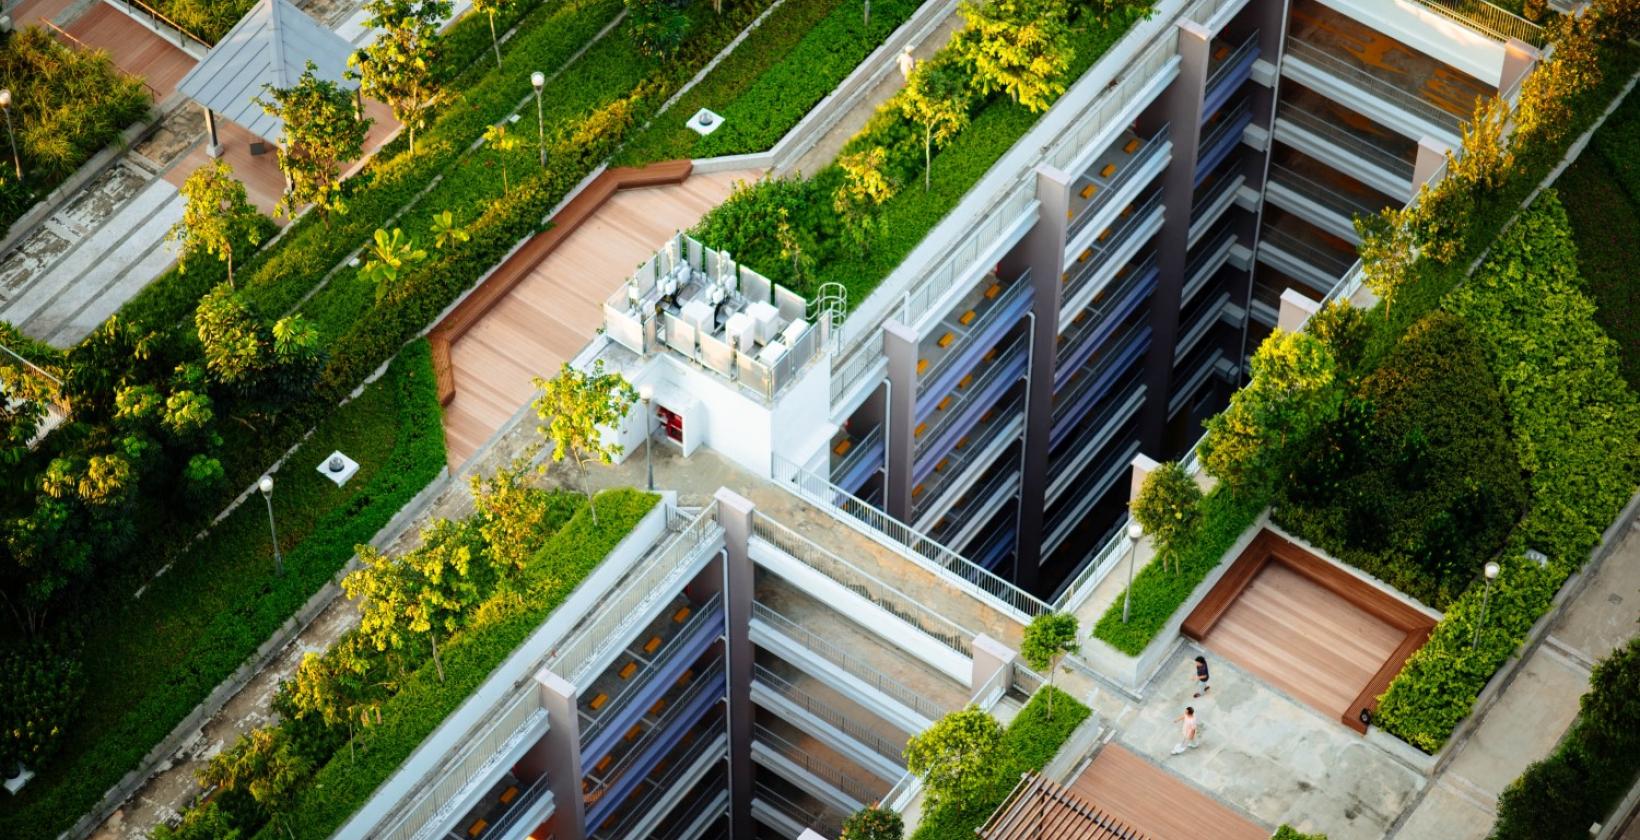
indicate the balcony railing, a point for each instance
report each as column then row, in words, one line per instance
column 827, row 773
column 925, row 551
column 884, row 684
column 830, row 716
column 708, row 611
column 865, row 585
column 1488, row 19
column 1238, row 63
column 701, row 805
column 1011, row 362
column 636, row 809
column 1350, row 142
column 854, row 462
column 520, row 807
column 1112, row 243
column 618, row 613
column 1136, row 164
column 1325, row 259
column 1326, row 195
column 1326, row 60
column 709, row 684
column 822, row 820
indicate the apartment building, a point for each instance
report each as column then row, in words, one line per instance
column 1096, row 295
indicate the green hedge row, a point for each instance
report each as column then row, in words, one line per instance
column 423, row 702
column 1028, row 744
column 1574, row 424
column 1559, row 797
column 772, row 80
column 1158, row 593
column 151, row 659
column 1601, row 192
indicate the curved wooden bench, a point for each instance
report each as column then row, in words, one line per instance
column 515, row 268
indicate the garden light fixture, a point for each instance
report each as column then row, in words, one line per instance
column 1492, row 569
column 1135, row 532
column 538, row 80
column 266, row 486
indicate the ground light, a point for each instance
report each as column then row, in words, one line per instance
column 1134, row 531
column 266, row 486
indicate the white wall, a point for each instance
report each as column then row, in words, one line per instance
column 1429, row 33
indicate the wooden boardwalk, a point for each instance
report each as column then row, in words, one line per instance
column 133, row 47
column 557, row 309
column 1153, row 801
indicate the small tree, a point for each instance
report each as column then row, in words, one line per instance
column 1169, row 507
column 1388, row 254
column 936, row 98
column 502, row 144
column 859, row 198
column 247, row 355
column 216, row 217
column 957, row 756
column 321, row 131
column 490, row 7
column 873, row 823
column 1293, row 391
column 445, row 230
column 391, row 255
column 1021, row 47
column 397, row 67
column 657, row 27
column 512, row 516
column 576, row 407
column 1048, row 638
column 262, row 763
column 426, row 592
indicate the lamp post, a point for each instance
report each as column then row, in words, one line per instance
column 1492, row 570
column 538, row 80
column 646, row 392
column 266, row 486
column 5, row 105
column 1135, row 531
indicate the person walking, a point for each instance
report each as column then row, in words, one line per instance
column 907, row 62
column 1201, row 676
column 1189, row 729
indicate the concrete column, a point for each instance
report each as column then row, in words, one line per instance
column 1143, row 466
column 990, row 656
column 1431, row 157
column 214, row 147
column 735, row 515
column 1182, row 105
column 559, row 753
column 900, row 346
column 1519, row 58
column 1295, row 310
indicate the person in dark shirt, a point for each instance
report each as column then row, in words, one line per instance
column 1201, row 676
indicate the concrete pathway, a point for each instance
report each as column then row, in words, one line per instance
column 1536, row 709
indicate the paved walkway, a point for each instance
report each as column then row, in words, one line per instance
column 1536, row 709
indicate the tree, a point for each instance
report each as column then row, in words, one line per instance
column 247, row 355
column 1048, row 638
column 490, row 7
column 1294, row 390
column 512, row 516
column 216, row 216
column 577, row 406
column 794, row 245
column 262, row 764
column 397, row 67
column 957, row 756
column 40, row 690
column 341, row 686
column 873, row 823
column 202, row 822
column 1169, row 507
column 859, row 198
column 502, row 144
column 390, row 256
column 1388, row 254
column 321, row 131
column 1018, row 46
column 445, row 230
column 657, row 26
column 936, row 98
column 426, row 591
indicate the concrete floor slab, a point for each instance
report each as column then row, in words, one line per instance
column 1604, row 616
column 1447, row 814
column 1525, row 724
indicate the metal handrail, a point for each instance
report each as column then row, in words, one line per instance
column 1300, row 48
column 1320, row 193
column 1397, row 166
column 1291, row 242
column 817, row 820
column 914, row 544
column 864, row 584
column 819, row 769
column 1020, row 344
column 860, row 670
column 596, row 725
column 520, row 806
column 1488, row 19
column 832, row 717
column 859, row 450
column 1004, row 301
column 712, row 680
column 1141, row 215
column 1226, row 124
column 959, row 462
column 155, row 17
column 1247, row 46
column 684, row 816
column 681, row 765
column 1140, row 158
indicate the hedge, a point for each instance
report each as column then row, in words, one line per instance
column 794, row 59
column 1574, row 424
column 1601, row 192
column 1577, row 785
column 1028, row 744
column 150, row 660
column 1157, row 594
column 339, row 788
column 1287, row 832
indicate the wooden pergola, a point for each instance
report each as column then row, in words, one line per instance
column 1039, row 809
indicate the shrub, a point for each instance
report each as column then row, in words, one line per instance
column 40, row 688
column 873, row 823
column 955, row 755
column 1295, row 390
column 1287, row 832
column 1169, row 508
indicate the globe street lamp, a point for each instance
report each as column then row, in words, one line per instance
column 5, row 105
column 538, row 80
column 1492, row 570
column 1135, row 532
column 266, row 486
column 646, row 392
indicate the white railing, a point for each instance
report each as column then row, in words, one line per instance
column 1071, row 152
column 921, row 300
column 1152, row 148
column 1229, row 64
column 713, row 681
column 886, row 685
column 821, row 770
column 1331, row 62
column 914, row 544
column 623, row 608
column 832, row 717
column 610, row 709
column 460, row 777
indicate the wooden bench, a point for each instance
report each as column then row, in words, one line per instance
column 921, row 427
column 992, row 291
column 628, row 670
column 922, row 366
column 651, row 645
column 508, row 795
column 477, row 827
column 965, row 381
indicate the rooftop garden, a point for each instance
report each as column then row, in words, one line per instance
column 1482, row 405
column 855, row 220
column 66, row 106
column 207, row 20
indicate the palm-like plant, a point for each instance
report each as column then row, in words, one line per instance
column 391, row 255
column 446, row 232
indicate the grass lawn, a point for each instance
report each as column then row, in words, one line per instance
column 149, row 660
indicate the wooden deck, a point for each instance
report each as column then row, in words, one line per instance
column 556, row 308
column 134, row 48
column 1156, row 803
column 1308, row 627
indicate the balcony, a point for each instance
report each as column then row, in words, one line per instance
column 954, row 476
column 812, row 766
column 1093, row 383
column 1091, row 328
column 1223, row 190
column 1115, row 246
column 510, row 808
column 1089, row 489
column 1068, row 461
column 1224, row 133
column 659, row 794
column 781, row 811
column 968, row 517
column 1227, row 68
column 1346, row 141
column 855, row 738
column 1113, row 178
column 998, row 546
column 1304, row 251
column 692, row 819
column 958, row 413
column 1206, row 262
column 952, row 350
column 608, row 783
column 1197, row 324
column 855, row 459
column 1322, row 196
